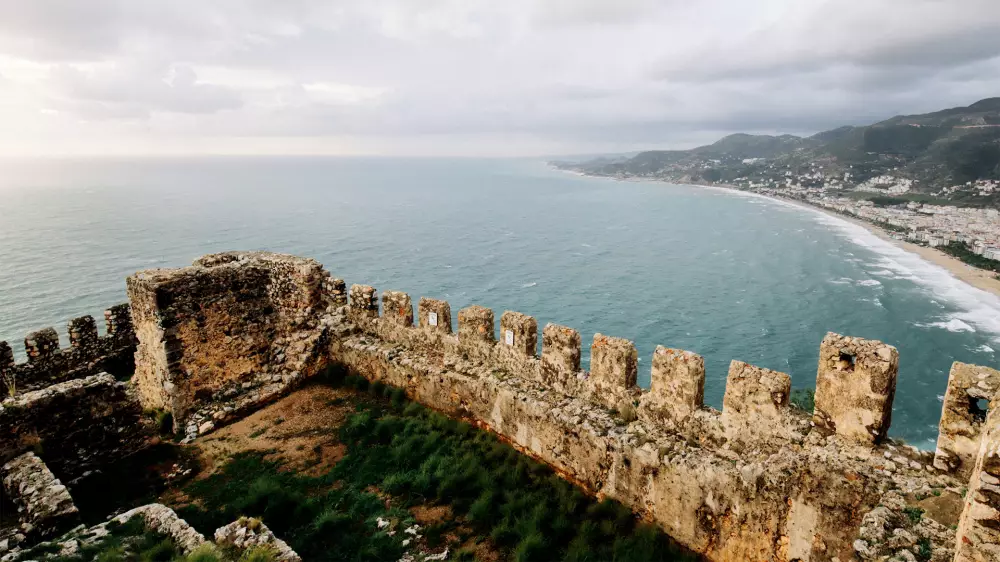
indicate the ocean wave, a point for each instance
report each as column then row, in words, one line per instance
column 883, row 273
column 842, row 281
column 985, row 349
column 978, row 309
column 526, row 285
column 869, row 283
column 952, row 325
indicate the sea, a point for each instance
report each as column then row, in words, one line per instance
column 724, row 274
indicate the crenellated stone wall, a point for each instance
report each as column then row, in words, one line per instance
column 970, row 390
column 88, row 354
column 759, row 480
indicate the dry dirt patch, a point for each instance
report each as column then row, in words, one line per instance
column 300, row 430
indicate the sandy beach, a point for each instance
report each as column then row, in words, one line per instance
column 979, row 278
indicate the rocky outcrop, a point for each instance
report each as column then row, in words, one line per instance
column 248, row 533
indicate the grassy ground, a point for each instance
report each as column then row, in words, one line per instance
column 404, row 462
column 344, row 470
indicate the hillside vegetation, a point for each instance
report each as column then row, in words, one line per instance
column 941, row 149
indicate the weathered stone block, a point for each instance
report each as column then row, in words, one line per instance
column 755, row 400
column 475, row 331
column 45, row 506
column 397, row 309
column 971, row 389
column 364, row 304
column 519, row 332
column 677, row 386
column 229, row 331
column 83, row 333
column 41, row 345
column 118, row 320
column 614, row 365
column 435, row 315
column 561, row 347
column 855, row 385
column 338, row 292
column 978, row 535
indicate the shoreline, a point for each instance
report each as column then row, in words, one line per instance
column 977, row 278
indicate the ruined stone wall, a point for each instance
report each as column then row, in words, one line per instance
column 73, row 425
column 88, row 354
column 757, row 481
column 226, row 333
column 979, row 529
column 778, row 498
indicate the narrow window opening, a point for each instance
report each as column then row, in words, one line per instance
column 978, row 408
column 846, row 361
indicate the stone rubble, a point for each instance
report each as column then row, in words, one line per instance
column 247, row 532
column 44, row 505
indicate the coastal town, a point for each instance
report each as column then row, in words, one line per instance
column 923, row 223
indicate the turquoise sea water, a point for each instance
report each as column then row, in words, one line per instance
column 726, row 275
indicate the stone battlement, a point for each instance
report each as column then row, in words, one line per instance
column 758, row 480
column 88, row 354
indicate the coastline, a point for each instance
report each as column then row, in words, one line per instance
column 978, row 278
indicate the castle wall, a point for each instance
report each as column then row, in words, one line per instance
column 776, row 504
column 757, row 481
column 979, row 527
column 962, row 419
column 88, row 354
column 227, row 333
column 855, row 385
column 73, row 425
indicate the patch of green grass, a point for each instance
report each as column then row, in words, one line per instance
column 420, row 457
column 914, row 513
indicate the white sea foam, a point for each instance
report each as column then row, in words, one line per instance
column 952, row 325
column 883, row 273
column 869, row 283
column 985, row 348
column 526, row 285
column 842, row 281
column 978, row 309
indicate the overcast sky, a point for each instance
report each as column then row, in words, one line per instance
column 473, row 77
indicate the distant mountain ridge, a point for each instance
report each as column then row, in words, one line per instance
column 937, row 150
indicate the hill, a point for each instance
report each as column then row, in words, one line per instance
column 940, row 153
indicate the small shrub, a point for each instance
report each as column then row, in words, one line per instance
column 924, row 550
column 915, row 514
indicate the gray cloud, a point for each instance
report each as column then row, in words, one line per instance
column 570, row 73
